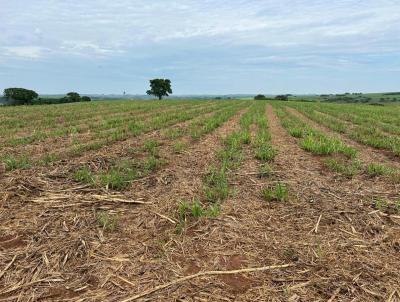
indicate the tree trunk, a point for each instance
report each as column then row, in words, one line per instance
column 160, row 97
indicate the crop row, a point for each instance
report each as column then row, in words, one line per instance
column 82, row 125
column 340, row 157
column 146, row 158
column 216, row 187
column 365, row 130
column 99, row 139
column 253, row 135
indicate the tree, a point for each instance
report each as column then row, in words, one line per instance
column 282, row 97
column 73, row 97
column 20, row 95
column 86, row 99
column 260, row 97
column 159, row 88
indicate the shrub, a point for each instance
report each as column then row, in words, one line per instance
column 86, row 99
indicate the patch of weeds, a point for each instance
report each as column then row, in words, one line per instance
column 120, row 175
column 80, row 148
column 347, row 168
column 107, row 221
column 178, row 147
column 194, row 209
column 216, row 185
column 278, row 192
column 215, row 209
column 118, row 135
column 262, row 138
column 265, row 152
column 135, row 128
column 233, row 140
column 173, row 133
column 377, row 169
column 246, row 137
column 381, row 204
column 84, row 175
column 264, row 170
column 195, row 133
column 190, row 209
column 230, row 158
column 394, row 176
column 397, row 205
column 296, row 132
column 12, row 162
column 323, row 145
column 28, row 139
column 152, row 164
column 151, row 146
column 49, row 158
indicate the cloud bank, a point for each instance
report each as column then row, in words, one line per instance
column 203, row 46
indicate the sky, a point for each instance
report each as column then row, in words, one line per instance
column 204, row 47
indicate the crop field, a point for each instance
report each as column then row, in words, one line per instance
column 200, row 200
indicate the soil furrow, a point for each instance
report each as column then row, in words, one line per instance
column 330, row 229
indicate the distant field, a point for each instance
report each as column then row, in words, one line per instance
column 362, row 98
column 99, row 199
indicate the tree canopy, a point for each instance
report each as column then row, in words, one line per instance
column 282, row 97
column 73, row 97
column 86, row 99
column 20, row 95
column 260, row 97
column 160, row 88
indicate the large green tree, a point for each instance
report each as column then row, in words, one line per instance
column 20, row 95
column 73, row 97
column 160, row 88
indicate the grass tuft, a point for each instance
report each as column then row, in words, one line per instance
column 278, row 192
column 377, row 169
column 264, row 170
column 107, row 221
column 84, row 175
column 216, row 185
column 12, row 162
column 345, row 167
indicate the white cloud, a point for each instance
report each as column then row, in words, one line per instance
column 108, row 27
column 209, row 36
column 29, row 52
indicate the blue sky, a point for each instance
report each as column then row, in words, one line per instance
column 209, row 46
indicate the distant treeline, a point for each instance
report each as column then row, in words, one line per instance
column 392, row 93
column 22, row 96
column 367, row 98
column 284, row 97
